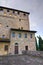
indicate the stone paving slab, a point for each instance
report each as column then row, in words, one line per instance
column 21, row 60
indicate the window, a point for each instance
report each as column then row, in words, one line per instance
column 13, row 34
column 7, row 26
column 25, row 35
column 26, row 47
column 1, row 9
column 16, row 44
column 21, row 28
column 30, row 35
column 24, row 14
column 6, row 48
column 19, row 35
column 7, row 10
column 3, row 36
column 19, row 19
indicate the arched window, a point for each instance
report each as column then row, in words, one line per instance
column 16, row 44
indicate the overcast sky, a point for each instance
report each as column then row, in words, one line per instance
column 35, row 7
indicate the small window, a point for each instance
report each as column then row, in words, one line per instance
column 24, row 14
column 21, row 28
column 16, row 43
column 19, row 35
column 6, row 48
column 1, row 9
column 30, row 35
column 26, row 47
column 7, row 26
column 25, row 35
column 7, row 10
column 3, row 36
column 13, row 34
column 19, row 19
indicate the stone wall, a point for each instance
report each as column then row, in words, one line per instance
column 13, row 21
column 22, row 42
column 34, row 53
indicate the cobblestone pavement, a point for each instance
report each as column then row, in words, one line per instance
column 21, row 60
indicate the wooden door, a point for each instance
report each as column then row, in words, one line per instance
column 16, row 49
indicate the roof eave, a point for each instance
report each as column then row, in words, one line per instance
column 14, row 9
column 22, row 30
column 4, row 40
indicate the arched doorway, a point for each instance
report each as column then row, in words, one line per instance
column 16, row 48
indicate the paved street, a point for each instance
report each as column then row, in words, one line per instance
column 21, row 60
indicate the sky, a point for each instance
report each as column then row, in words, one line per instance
column 35, row 7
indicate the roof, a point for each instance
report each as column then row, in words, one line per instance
column 14, row 9
column 4, row 40
column 22, row 30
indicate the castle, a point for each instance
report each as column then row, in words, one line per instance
column 15, row 33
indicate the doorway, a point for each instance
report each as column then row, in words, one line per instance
column 26, row 47
column 16, row 48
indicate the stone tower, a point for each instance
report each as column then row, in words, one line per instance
column 14, row 18
column 15, row 33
